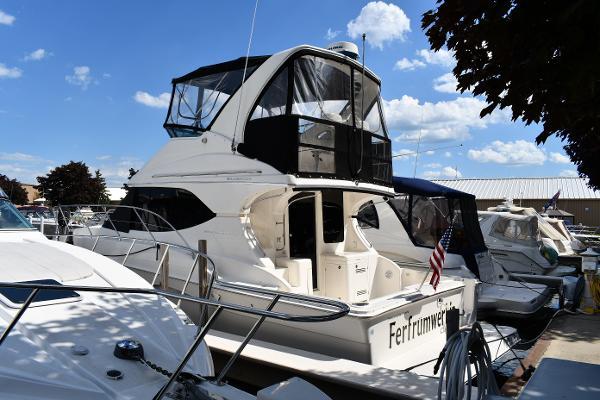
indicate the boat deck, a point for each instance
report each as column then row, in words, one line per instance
column 567, row 358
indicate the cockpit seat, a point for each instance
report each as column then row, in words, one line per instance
column 299, row 273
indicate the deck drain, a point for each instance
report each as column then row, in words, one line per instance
column 114, row 374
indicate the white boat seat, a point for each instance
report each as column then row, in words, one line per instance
column 299, row 273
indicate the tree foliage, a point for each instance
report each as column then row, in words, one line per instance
column 13, row 189
column 540, row 58
column 73, row 183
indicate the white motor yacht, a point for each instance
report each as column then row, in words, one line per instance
column 269, row 159
column 522, row 243
column 406, row 228
column 77, row 325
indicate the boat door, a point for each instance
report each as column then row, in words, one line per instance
column 302, row 230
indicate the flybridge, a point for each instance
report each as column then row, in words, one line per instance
column 320, row 110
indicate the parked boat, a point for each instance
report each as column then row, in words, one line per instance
column 75, row 324
column 523, row 244
column 269, row 160
column 406, row 228
column 41, row 217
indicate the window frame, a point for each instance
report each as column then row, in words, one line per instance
column 289, row 63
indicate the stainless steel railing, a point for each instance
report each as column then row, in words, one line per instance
column 335, row 310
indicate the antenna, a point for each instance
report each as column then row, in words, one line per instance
column 425, row 151
column 418, row 145
column 237, row 117
column 362, row 104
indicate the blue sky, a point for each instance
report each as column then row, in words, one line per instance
column 83, row 81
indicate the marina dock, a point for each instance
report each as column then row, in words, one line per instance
column 567, row 361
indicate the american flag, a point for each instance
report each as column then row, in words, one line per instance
column 436, row 261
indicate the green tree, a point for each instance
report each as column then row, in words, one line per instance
column 73, row 183
column 13, row 189
column 540, row 58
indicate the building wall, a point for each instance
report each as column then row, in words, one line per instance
column 32, row 194
column 586, row 212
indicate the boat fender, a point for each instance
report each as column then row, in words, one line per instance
column 549, row 252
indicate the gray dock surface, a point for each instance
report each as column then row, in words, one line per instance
column 567, row 358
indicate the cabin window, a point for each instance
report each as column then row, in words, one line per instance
column 161, row 209
column 368, row 116
column 515, row 230
column 274, row 100
column 367, row 216
column 197, row 101
column 322, row 89
column 333, row 216
column 316, row 153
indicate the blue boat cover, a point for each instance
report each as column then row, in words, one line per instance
column 427, row 188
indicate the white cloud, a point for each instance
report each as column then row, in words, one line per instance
column 81, row 77
column 568, row 173
column 559, row 158
column 7, row 72
column 116, row 171
column 451, row 172
column 104, row 157
column 445, row 83
column 6, row 19
column 447, row 154
column 403, row 154
column 381, row 22
column 519, row 152
column 408, row 65
column 106, row 75
column 18, row 157
column 431, row 174
column 160, row 101
column 441, row 57
column 23, row 167
column 37, row 55
column 436, row 172
column 331, row 34
column 441, row 121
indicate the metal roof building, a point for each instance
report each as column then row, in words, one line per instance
column 575, row 196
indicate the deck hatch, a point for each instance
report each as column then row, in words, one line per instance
column 18, row 296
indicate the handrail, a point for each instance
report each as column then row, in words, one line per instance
column 194, row 254
column 339, row 310
column 106, row 214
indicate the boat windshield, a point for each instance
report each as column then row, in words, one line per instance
column 199, row 96
column 425, row 219
column 10, row 218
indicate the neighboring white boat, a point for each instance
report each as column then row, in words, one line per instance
column 559, row 225
column 270, row 174
column 519, row 245
column 41, row 217
column 77, row 325
column 405, row 228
